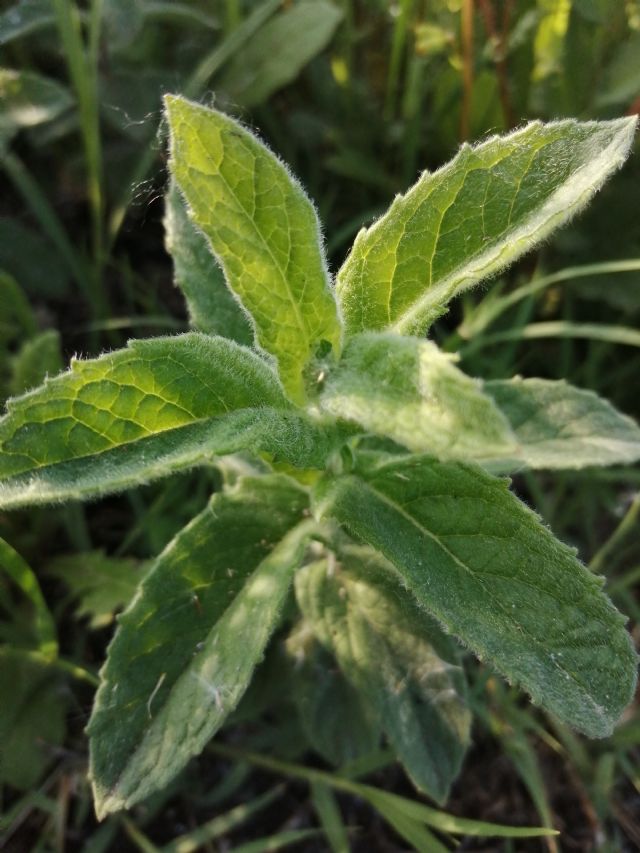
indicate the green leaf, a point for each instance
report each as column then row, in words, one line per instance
column 186, row 647
column 487, row 569
column 474, row 216
column 336, row 721
column 32, row 718
column 28, row 99
column 263, row 230
column 285, row 436
column 279, row 51
column 560, row 426
column 100, row 584
column 38, row 358
column 24, row 17
column 410, row 391
column 212, row 306
column 12, row 564
column 620, row 82
column 406, row 671
column 104, row 404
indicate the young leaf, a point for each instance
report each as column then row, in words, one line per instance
column 337, row 722
column 559, row 426
column 279, row 51
column 151, row 387
column 474, row 216
column 482, row 563
column 402, row 665
column 186, row 647
column 410, row 391
column 212, row 306
column 263, row 230
column 285, row 435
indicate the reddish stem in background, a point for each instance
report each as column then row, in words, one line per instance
column 500, row 59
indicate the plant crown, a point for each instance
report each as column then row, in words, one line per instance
column 370, row 483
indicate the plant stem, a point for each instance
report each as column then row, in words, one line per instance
column 46, row 217
column 398, row 43
column 83, row 71
column 499, row 55
column 466, row 33
column 73, row 669
column 627, row 524
column 484, row 318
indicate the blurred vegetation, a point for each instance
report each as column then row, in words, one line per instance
column 357, row 96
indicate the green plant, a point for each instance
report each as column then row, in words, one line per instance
column 359, row 466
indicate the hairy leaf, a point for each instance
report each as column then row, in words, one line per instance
column 410, row 391
column 150, row 387
column 186, row 647
column 484, row 565
column 212, row 306
column 285, row 436
column 559, row 426
column 405, row 669
column 279, row 50
column 335, row 718
column 262, row 228
column 474, row 216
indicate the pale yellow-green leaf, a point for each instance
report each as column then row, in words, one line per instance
column 263, row 230
column 474, row 216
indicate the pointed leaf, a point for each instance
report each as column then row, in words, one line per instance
column 186, row 647
column 212, row 306
column 279, row 51
column 484, row 565
column 560, row 426
column 99, row 406
column 474, row 216
column 410, row 391
column 262, row 228
column 402, row 665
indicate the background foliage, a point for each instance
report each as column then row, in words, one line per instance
column 357, row 97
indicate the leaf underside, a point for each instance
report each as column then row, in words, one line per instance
column 559, row 426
